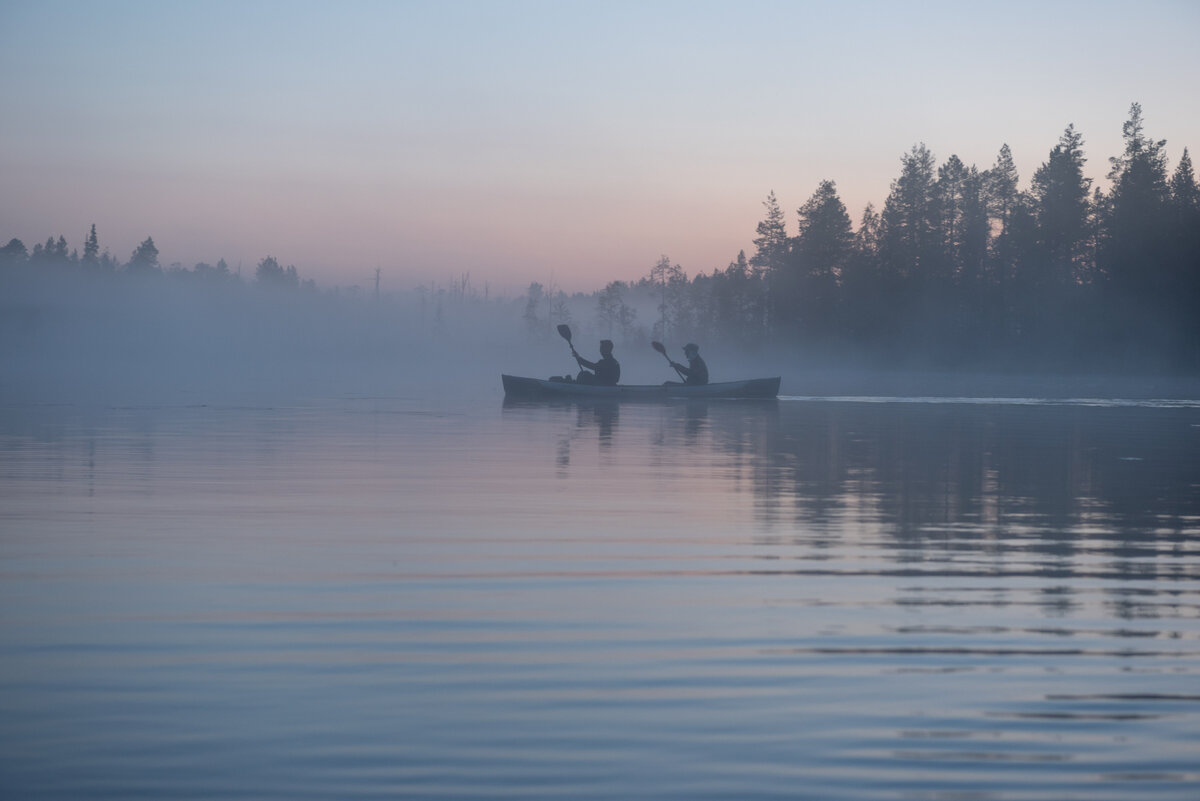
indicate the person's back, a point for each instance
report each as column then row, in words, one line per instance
column 608, row 371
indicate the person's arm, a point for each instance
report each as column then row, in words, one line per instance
column 584, row 362
column 683, row 368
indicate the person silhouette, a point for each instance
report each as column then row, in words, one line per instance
column 696, row 371
column 606, row 372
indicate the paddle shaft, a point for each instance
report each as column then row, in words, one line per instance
column 658, row 346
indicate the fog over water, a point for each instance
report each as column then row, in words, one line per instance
column 94, row 338
column 89, row 338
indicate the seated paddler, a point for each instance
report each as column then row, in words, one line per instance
column 695, row 372
column 606, row 372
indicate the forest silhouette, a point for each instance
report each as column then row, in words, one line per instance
column 961, row 267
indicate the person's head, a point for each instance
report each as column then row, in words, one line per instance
column 691, row 350
column 605, row 347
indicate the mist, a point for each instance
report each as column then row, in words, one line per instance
column 70, row 335
column 119, row 338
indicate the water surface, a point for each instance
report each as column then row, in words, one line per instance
column 388, row 597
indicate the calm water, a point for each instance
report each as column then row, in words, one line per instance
column 389, row 597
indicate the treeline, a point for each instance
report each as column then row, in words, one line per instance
column 87, row 323
column 56, row 255
column 962, row 267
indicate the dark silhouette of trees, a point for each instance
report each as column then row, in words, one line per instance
column 959, row 267
column 914, row 271
column 1010, row 227
column 535, row 299
column 771, row 249
column 612, row 312
column 1136, row 224
column 1050, row 267
column 674, row 304
column 864, row 297
column 91, row 248
column 964, row 267
column 805, row 289
column 144, row 259
column 14, row 253
column 270, row 274
column 212, row 273
column 1183, row 259
column 1060, row 196
column 736, row 302
column 772, row 243
column 909, row 240
column 53, row 253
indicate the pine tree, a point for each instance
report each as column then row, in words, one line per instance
column 807, row 293
column 1184, row 260
column 91, row 248
column 13, row 253
column 772, row 243
column 909, row 245
column 963, row 220
column 1143, row 165
column 144, row 259
column 1185, row 195
column 1001, row 190
column 1134, row 243
column 1004, row 202
column 1060, row 195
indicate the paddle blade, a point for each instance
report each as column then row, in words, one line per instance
column 564, row 331
column 658, row 346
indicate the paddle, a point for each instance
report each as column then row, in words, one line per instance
column 658, row 346
column 564, row 331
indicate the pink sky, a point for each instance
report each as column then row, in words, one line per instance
column 572, row 143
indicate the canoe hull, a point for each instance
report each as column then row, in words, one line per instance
column 541, row 389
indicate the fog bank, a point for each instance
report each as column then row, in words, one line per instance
column 113, row 339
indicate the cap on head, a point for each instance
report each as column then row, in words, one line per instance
column 691, row 347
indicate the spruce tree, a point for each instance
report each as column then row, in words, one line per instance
column 909, row 245
column 1060, row 196
column 806, row 288
column 772, row 243
column 91, row 248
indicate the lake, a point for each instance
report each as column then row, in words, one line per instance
column 398, row 597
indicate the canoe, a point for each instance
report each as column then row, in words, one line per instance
column 540, row 389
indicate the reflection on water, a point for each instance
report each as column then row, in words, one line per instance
column 849, row 598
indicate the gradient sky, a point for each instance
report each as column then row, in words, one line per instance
column 570, row 143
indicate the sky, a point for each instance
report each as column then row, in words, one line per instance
column 569, row 143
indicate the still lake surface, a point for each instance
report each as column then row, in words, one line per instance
column 390, row 597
